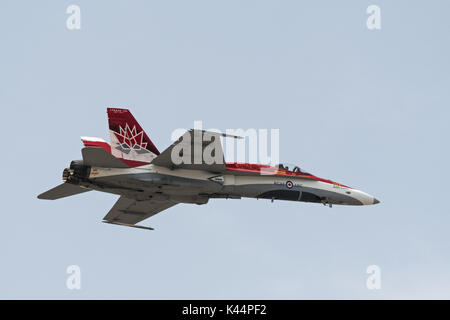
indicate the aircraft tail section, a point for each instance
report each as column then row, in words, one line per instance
column 128, row 140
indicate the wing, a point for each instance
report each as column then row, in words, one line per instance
column 189, row 150
column 128, row 212
column 61, row 191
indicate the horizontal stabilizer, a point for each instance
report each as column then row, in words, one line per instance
column 99, row 157
column 61, row 191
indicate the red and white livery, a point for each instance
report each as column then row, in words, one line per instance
column 149, row 182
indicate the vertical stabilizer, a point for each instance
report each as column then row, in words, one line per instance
column 128, row 140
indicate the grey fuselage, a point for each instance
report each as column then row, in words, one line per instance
column 151, row 182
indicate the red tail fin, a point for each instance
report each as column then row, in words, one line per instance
column 128, row 140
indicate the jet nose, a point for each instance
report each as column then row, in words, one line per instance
column 364, row 198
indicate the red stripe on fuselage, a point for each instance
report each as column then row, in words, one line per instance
column 257, row 168
column 134, row 163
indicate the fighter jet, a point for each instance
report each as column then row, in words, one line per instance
column 191, row 170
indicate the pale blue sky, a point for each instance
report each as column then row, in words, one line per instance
column 369, row 109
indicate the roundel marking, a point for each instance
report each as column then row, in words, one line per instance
column 289, row 184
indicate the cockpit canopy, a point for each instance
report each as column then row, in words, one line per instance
column 291, row 168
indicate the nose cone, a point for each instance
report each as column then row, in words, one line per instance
column 364, row 198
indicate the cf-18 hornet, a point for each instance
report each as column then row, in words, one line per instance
column 191, row 170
